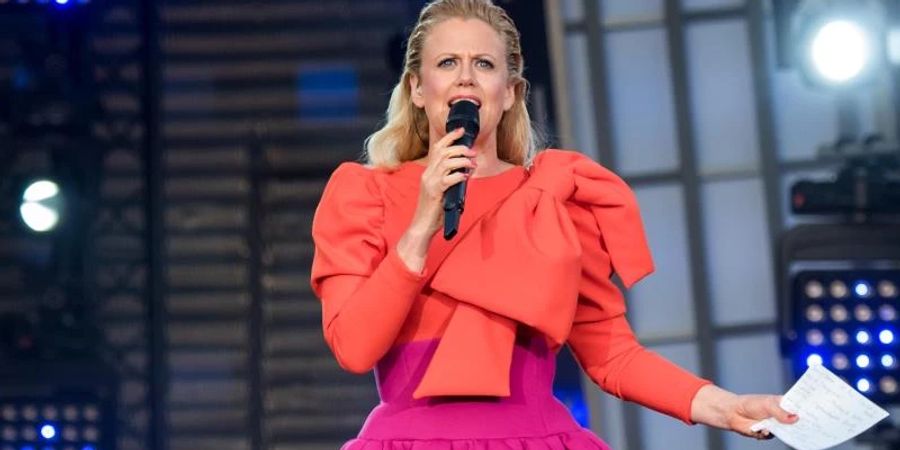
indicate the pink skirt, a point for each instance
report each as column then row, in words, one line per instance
column 531, row 418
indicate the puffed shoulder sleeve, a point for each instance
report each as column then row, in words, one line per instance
column 605, row 214
column 365, row 288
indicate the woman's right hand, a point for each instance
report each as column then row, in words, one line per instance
column 443, row 158
column 437, row 178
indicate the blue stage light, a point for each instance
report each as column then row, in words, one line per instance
column 862, row 313
column 863, row 337
column 887, row 313
column 840, row 361
column 839, row 337
column 850, row 329
column 43, row 425
column 887, row 289
column 863, row 385
column 48, row 431
column 62, row 2
column 862, row 361
column 814, row 360
column 815, row 337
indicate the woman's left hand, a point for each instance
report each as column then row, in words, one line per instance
column 717, row 407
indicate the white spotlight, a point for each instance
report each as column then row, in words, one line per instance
column 840, row 50
column 41, row 206
column 814, row 360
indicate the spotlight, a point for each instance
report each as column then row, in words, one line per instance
column 814, row 360
column 887, row 289
column 839, row 337
column 815, row 313
column 863, row 385
column 888, row 385
column 838, row 289
column 840, row 50
column 48, row 432
column 862, row 313
column 862, row 361
column 887, row 313
column 840, row 361
column 838, row 313
column 814, row 337
column 29, row 412
column 29, row 434
column 838, row 43
column 886, row 336
column 862, row 289
column 41, row 205
column 863, row 337
column 888, row 361
column 814, row 289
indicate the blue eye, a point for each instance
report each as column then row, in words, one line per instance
column 485, row 64
column 446, row 62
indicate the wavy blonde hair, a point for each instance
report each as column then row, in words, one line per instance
column 404, row 136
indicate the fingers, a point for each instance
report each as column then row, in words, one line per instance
column 757, row 407
column 452, row 179
column 744, row 427
column 449, row 138
column 774, row 409
column 452, row 163
column 762, row 435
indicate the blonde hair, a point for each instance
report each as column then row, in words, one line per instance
column 404, row 136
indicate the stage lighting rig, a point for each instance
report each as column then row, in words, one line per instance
column 57, row 406
column 839, row 276
column 867, row 184
column 30, row 4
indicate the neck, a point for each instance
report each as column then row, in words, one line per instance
column 486, row 148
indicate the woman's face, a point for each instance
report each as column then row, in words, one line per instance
column 463, row 58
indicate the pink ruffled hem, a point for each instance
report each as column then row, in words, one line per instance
column 575, row 440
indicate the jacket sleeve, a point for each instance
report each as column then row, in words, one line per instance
column 601, row 338
column 365, row 288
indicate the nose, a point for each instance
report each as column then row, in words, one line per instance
column 466, row 75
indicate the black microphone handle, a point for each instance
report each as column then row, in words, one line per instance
column 455, row 196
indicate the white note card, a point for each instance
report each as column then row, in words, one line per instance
column 830, row 411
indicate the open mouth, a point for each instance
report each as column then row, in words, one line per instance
column 471, row 99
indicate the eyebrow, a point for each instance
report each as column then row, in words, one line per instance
column 479, row 55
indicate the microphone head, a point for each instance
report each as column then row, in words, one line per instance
column 463, row 113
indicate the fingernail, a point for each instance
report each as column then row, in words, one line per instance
column 792, row 416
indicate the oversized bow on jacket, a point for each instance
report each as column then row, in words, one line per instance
column 522, row 263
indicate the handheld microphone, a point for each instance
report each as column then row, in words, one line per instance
column 463, row 113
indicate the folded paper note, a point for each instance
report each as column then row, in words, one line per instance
column 830, row 412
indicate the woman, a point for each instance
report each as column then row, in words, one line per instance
column 463, row 333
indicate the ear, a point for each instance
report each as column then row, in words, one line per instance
column 510, row 98
column 415, row 91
